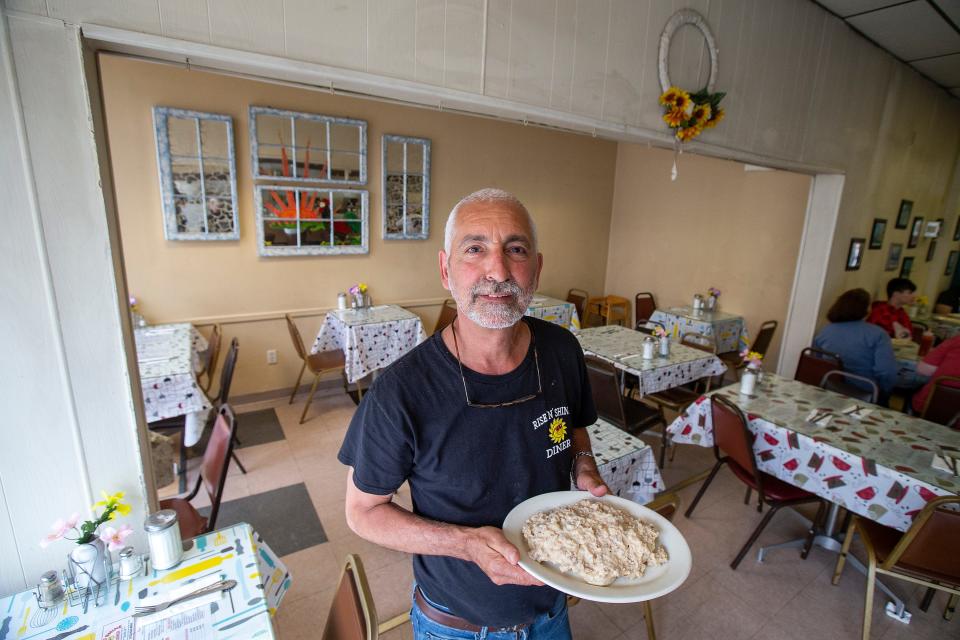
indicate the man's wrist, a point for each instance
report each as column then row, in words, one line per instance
column 581, row 460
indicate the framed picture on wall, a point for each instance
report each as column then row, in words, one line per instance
column 915, row 231
column 906, row 267
column 903, row 216
column 931, row 250
column 876, row 234
column 855, row 253
column 933, row 229
column 951, row 263
column 893, row 256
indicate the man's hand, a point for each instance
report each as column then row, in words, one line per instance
column 496, row 557
column 588, row 479
column 900, row 331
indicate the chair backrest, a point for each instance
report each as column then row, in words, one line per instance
column 764, row 337
column 850, row 384
column 929, row 545
column 578, row 297
column 216, row 459
column 645, row 306
column 943, row 402
column 816, row 363
column 917, row 332
column 295, row 337
column 699, row 341
column 353, row 615
column 448, row 313
column 732, row 437
column 666, row 504
column 649, row 330
column 606, row 390
column 942, row 309
column 212, row 353
column 226, row 374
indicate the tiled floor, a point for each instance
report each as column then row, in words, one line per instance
column 783, row 598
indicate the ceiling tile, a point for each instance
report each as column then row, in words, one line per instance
column 844, row 8
column 951, row 8
column 944, row 71
column 910, row 31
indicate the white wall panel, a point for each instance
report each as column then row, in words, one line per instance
column 330, row 32
column 428, row 50
column 564, row 45
column 590, row 56
column 531, row 51
column 248, row 25
column 648, row 108
column 185, row 19
column 137, row 15
column 628, row 36
column 497, row 62
column 463, row 45
column 392, row 38
column 38, row 7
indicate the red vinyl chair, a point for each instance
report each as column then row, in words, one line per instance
column 816, row 363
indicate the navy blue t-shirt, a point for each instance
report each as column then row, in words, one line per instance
column 471, row 466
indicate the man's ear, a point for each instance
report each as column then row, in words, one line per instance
column 444, row 271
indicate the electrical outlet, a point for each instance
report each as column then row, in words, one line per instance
column 271, row 356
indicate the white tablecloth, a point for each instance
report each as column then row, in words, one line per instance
column 371, row 338
column 626, row 463
column 729, row 330
column 556, row 311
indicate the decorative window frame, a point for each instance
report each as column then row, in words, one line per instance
column 299, row 115
column 312, row 250
column 425, row 210
column 165, row 164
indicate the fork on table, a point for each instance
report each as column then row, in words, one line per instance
column 220, row 585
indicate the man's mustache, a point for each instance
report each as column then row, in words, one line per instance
column 496, row 288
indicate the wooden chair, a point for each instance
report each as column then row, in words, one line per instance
column 760, row 344
column 579, row 298
column 213, row 477
column 644, row 305
column 448, row 313
column 606, row 310
column 318, row 363
column 942, row 309
column 852, row 385
column 733, row 447
column 919, row 329
column 628, row 414
column 816, row 363
column 353, row 615
column 677, row 399
column 925, row 554
column 210, row 356
column 943, row 402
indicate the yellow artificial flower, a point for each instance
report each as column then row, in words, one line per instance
column 109, row 500
column 700, row 115
column 675, row 117
column 669, row 97
column 688, row 133
column 717, row 117
column 754, row 355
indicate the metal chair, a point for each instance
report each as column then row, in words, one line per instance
column 943, row 402
column 448, row 313
column 628, row 414
column 816, row 363
column 649, row 330
column 924, row 555
column 213, row 477
column 579, row 298
column 209, row 364
column 733, row 447
column 353, row 614
column 318, row 363
column 644, row 305
column 852, row 385
column 760, row 345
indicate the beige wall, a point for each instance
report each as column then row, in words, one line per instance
column 565, row 180
column 716, row 226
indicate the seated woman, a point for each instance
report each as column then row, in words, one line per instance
column 865, row 348
column 942, row 361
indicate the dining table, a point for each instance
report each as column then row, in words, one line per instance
column 234, row 553
column 371, row 338
column 624, row 348
column 944, row 326
column 167, row 357
column 728, row 330
column 626, row 463
column 559, row 312
column 875, row 462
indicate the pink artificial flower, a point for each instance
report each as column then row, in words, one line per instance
column 115, row 537
column 660, row 332
column 59, row 529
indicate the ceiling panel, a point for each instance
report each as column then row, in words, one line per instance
column 844, row 8
column 944, row 71
column 909, row 31
column 951, row 8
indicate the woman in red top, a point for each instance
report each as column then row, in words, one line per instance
column 890, row 315
column 942, row 361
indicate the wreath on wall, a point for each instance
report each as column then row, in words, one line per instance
column 688, row 114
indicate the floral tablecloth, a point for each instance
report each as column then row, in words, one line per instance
column 165, row 357
column 624, row 348
column 730, row 331
column 236, row 553
column 371, row 338
column 878, row 466
column 626, row 463
column 556, row 311
column 945, row 326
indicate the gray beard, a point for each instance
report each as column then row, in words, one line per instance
column 494, row 315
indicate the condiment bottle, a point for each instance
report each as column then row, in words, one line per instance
column 49, row 590
column 664, row 346
column 649, row 346
column 748, row 382
column 163, row 536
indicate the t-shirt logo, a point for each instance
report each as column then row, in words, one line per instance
column 558, row 430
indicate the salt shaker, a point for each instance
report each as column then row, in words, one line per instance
column 748, row 382
column 664, row 346
column 649, row 346
column 341, row 301
column 49, row 591
column 131, row 564
column 697, row 302
column 163, row 536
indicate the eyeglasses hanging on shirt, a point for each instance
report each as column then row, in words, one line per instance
column 495, row 405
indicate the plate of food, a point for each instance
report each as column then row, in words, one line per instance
column 604, row 549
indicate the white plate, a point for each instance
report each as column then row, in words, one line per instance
column 656, row 582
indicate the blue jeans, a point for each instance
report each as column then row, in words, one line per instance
column 553, row 625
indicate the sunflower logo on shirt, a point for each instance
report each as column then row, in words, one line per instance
column 558, row 430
